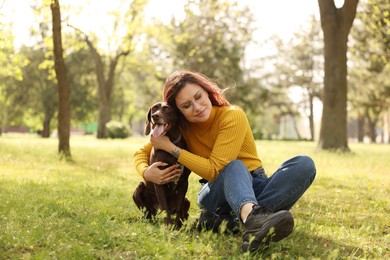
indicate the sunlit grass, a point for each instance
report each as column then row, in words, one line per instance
column 54, row 209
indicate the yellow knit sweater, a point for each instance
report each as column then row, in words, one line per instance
column 224, row 137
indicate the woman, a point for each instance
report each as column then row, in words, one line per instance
column 222, row 150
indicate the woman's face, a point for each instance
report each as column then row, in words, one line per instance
column 194, row 103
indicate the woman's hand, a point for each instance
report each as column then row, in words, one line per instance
column 162, row 142
column 157, row 176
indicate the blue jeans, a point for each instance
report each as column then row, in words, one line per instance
column 235, row 186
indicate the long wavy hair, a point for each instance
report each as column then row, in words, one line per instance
column 178, row 79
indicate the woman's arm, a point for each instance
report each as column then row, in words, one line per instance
column 141, row 158
column 152, row 172
column 230, row 134
column 230, row 131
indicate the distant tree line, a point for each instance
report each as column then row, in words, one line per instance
column 119, row 83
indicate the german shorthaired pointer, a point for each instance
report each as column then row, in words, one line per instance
column 170, row 197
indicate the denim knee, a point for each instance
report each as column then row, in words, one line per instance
column 307, row 166
column 231, row 168
column 231, row 188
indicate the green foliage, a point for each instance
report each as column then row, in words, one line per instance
column 117, row 130
column 140, row 84
column 371, row 34
column 299, row 67
column 83, row 209
column 369, row 93
column 37, row 92
column 213, row 39
column 10, row 75
column 82, row 81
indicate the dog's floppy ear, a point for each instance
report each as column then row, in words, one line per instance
column 148, row 122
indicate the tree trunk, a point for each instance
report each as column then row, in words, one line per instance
column 360, row 131
column 372, row 120
column 372, row 129
column 104, row 116
column 4, row 118
column 105, row 86
column 311, row 117
column 104, row 94
column 336, row 24
column 46, row 126
column 63, row 86
column 386, row 126
column 296, row 127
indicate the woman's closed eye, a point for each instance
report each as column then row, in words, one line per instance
column 198, row 96
column 187, row 105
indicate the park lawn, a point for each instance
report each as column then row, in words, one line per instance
column 83, row 209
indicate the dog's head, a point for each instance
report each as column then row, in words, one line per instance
column 160, row 119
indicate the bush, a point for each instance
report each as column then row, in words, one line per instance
column 117, row 130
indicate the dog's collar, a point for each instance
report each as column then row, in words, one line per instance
column 177, row 140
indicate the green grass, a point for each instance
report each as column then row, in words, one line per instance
column 53, row 209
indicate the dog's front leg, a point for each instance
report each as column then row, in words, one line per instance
column 163, row 203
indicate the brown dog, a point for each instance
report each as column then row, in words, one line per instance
column 170, row 197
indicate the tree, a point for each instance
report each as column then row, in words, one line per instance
column 299, row 67
column 36, row 94
column 370, row 55
column 140, row 83
column 81, row 76
column 62, row 81
column 212, row 39
column 105, row 75
column 37, row 90
column 336, row 24
column 10, row 75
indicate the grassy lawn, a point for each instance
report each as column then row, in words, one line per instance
column 52, row 209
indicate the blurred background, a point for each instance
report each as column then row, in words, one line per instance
column 118, row 54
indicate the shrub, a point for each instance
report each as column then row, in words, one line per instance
column 117, row 130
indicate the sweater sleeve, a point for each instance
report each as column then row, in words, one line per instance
column 232, row 129
column 141, row 158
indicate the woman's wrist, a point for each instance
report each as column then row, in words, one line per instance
column 144, row 175
column 175, row 151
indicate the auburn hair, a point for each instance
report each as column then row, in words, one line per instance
column 178, row 79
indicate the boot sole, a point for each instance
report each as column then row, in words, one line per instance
column 274, row 230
